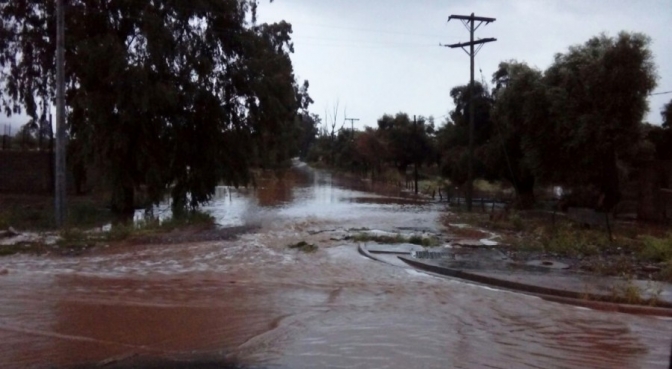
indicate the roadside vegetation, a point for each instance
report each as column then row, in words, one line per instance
column 427, row 241
column 633, row 249
column 81, row 235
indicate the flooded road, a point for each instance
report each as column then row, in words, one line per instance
column 254, row 302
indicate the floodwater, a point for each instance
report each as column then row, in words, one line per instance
column 254, row 302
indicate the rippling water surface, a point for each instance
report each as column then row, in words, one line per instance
column 254, row 302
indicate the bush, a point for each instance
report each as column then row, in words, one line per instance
column 568, row 241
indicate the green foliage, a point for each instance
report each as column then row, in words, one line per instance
column 667, row 115
column 372, row 149
column 121, row 231
column 398, row 238
column 85, row 214
column 365, row 237
column 520, row 106
column 453, row 137
column 659, row 140
column 657, row 249
column 190, row 218
column 423, row 241
column 28, row 136
column 517, row 222
column 583, row 113
column 628, row 291
column 408, row 141
column 666, row 273
column 397, row 142
column 168, row 96
column 597, row 95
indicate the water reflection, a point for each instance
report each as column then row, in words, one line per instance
column 300, row 192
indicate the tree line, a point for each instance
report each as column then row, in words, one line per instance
column 578, row 124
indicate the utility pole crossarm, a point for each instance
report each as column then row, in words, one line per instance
column 463, row 44
column 472, row 18
column 352, row 125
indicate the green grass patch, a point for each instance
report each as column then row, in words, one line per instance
column 303, row 246
column 74, row 240
column 365, row 237
column 657, row 249
column 398, row 238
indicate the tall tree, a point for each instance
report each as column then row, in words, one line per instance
column 164, row 95
column 407, row 141
column 371, row 149
column 453, row 136
column 520, row 107
column 598, row 96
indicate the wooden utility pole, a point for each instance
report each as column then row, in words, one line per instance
column 352, row 125
column 469, row 21
column 415, row 162
column 352, row 138
column 59, row 164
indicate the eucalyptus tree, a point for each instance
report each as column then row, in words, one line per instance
column 453, row 137
column 168, row 96
column 520, row 109
column 597, row 94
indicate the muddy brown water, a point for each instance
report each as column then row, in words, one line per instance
column 253, row 302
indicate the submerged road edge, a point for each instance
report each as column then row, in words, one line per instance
column 592, row 301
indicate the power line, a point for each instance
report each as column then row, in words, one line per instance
column 360, row 41
column 661, row 93
column 369, row 30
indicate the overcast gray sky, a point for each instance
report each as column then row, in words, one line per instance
column 383, row 56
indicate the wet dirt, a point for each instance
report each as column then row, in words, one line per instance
column 252, row 301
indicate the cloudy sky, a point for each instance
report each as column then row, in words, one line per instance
column 383, row 56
